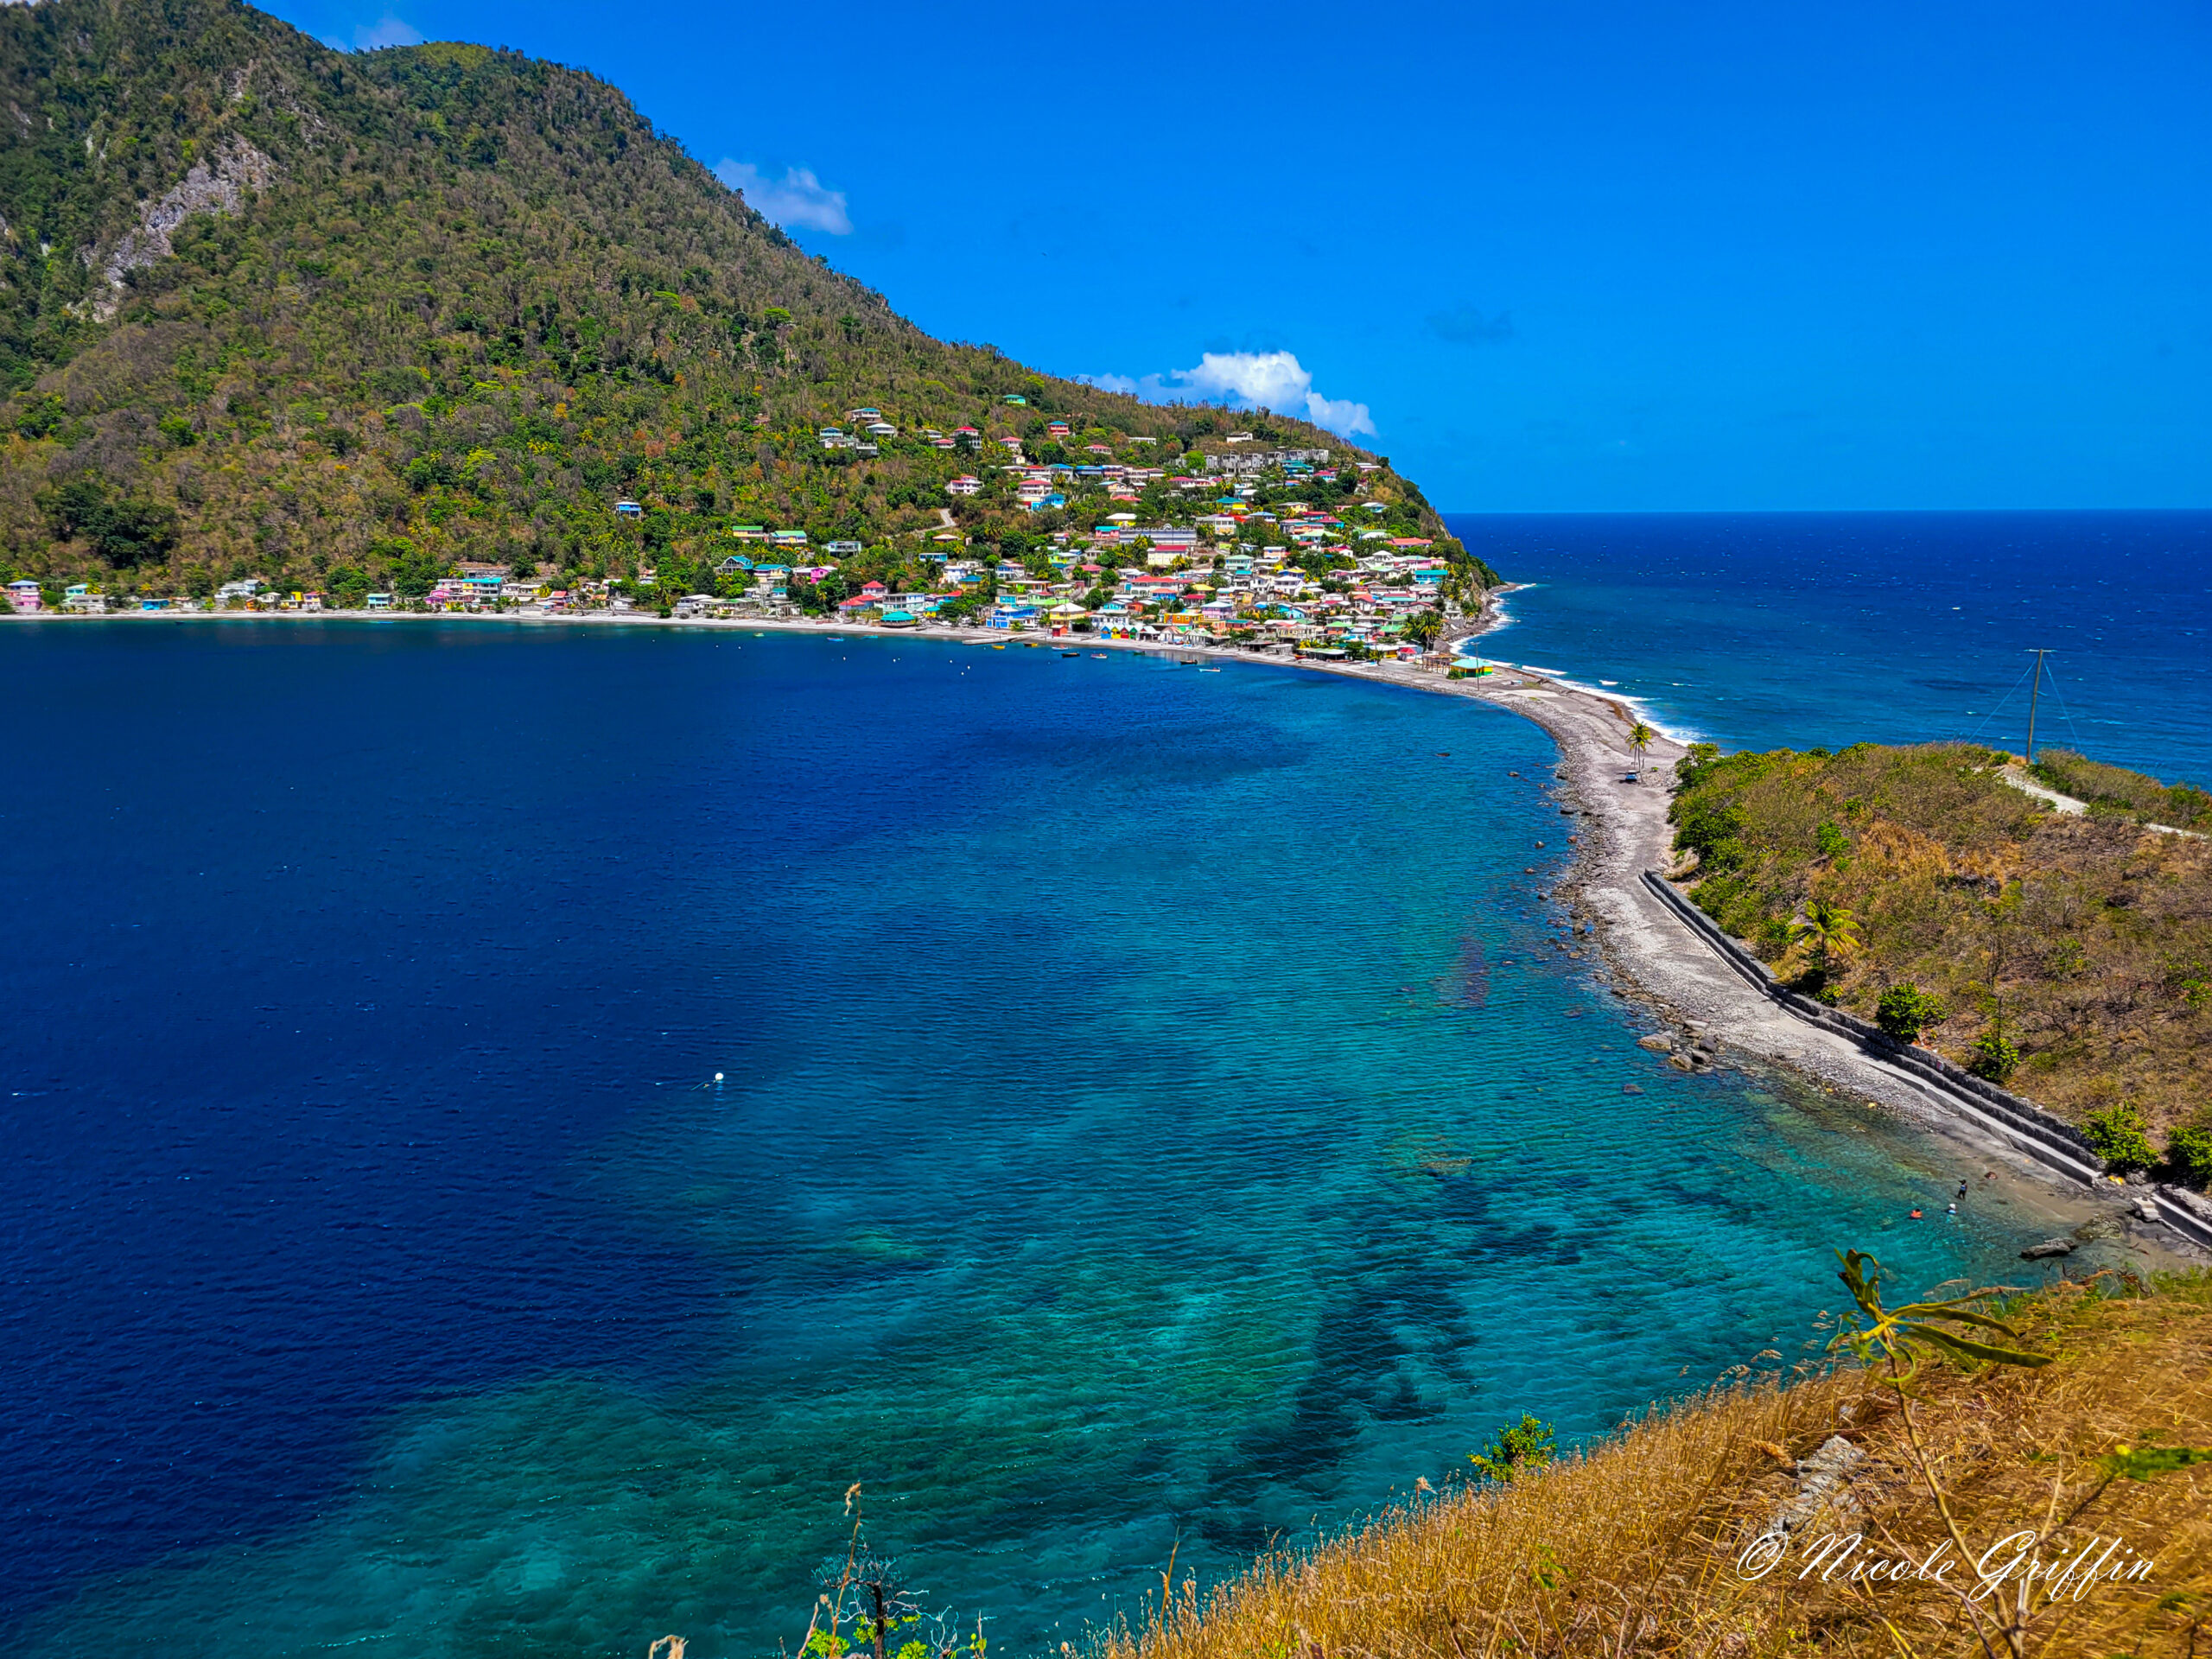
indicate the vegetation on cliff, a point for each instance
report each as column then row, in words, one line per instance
column 339, row 320
column 2067, row 957
column 1646, row 1545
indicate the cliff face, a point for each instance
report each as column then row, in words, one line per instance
column 288, row 310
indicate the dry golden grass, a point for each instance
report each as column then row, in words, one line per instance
column 2086, row 942
column 1633, row 1547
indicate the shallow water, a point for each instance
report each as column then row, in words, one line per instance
column 1156, row 1115
column 1766, row 631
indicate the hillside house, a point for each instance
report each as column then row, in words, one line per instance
column 23, row 598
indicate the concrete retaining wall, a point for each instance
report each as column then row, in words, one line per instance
column 2051, row 1141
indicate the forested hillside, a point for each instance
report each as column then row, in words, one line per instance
column 270, row 309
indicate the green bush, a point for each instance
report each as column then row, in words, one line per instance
column 1515, row 1449
column 1905, row 1011
column 1994, row 1057
column 2118, row 1135
column 2188, row 1149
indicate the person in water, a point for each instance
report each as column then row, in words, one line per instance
column 1916, row 1215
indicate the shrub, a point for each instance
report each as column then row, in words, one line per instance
column 2189, row 1148
column 1905, row 1011
column 1832, row 842
column 2117, row 1136
column 1994, row 1057
column 1515, row 1449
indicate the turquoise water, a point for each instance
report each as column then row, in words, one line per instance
column 1768, row 631
column 1156, row 1115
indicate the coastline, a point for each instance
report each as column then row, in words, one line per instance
column 1653, row 957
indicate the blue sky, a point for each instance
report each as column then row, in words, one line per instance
column 1558, row 255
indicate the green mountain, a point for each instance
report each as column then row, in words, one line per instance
column 343, row 320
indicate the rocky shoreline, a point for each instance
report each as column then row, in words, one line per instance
column 1712, row 1015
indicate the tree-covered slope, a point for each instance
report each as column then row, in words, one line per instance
column 268, row 309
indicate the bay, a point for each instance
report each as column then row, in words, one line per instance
column 1156, row 1114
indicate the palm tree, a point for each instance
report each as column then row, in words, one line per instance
column 1641, row 736
column 1833, row 931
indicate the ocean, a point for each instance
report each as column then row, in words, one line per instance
column 506, row 1125
column 1772, row 631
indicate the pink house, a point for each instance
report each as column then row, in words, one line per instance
column 23, row 597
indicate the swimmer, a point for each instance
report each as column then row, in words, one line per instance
column 1916, row 1215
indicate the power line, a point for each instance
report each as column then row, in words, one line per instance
column 2001, row 702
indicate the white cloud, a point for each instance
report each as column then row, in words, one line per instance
column 797, row 198
column 387, row 30
column 1274, row 380
column 1340, row 415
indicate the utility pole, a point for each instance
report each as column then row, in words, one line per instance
column 2034, row 687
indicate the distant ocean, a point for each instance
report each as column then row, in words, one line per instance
column 504, row 1125
column 1760, row 631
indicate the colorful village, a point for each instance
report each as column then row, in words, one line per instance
column 1239, row 542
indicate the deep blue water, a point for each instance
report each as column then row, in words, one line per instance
column 1155, row 1109
column 1768, row 631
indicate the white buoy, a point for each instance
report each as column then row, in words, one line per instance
column 718, row 1076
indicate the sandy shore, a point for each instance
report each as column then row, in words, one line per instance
column 1621, row 830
